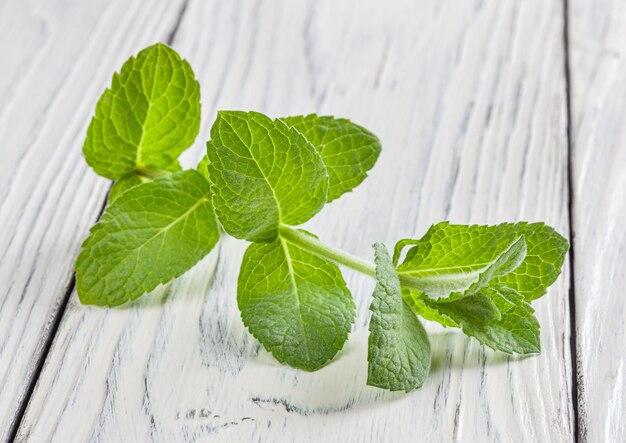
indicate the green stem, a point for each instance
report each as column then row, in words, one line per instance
column 310, row 243
column 150, row 174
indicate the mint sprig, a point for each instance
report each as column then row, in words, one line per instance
column 259, row 178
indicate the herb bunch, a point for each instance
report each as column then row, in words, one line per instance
column 260, row 178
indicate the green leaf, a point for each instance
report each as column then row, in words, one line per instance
column 507, row 261
column 446, row 280
column 133, row 179
column 264, row 173
column 518, row 329
column 398, row 346
column 124, row 184
column 399, row 248
column 450, row 258
column 477, row 308
column 418, row 301
column 497, row 316
column 147, row 118
column 295, row 303
column 151, row 234
column 347, row 149
column 202, row 167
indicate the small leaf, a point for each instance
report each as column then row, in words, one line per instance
column 202, row 167
column 477, row 308
column 264, row 173
column 446, row 280
column 124, row 184
column 398, row 346
column 147, row 118
column 151, row 234
column 347, row 149
column 496, row 316
column 518, row 329
column 507, row 261
column 399, row 248
column 135, row 178
column 418, row 302
column 449, row 258
column 295, row 303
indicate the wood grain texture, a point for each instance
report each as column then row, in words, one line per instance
column 57, row 56
column 469, row 101
column 598, row 106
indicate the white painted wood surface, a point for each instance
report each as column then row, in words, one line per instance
column 470, row 102
column 55, row 57
column 598, row 101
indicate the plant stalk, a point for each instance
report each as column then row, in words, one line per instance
column 312, row 244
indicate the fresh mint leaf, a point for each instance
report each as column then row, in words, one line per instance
column 487, row 310
column 545, row 254
column 151, row 234
column 497, row 316
column 147, row 118
column 477, row 308
column 507, row 261
column 399, row 248
column 449, row 258
column 264, row 173
column 124, row 184
column 419, row 303
column 133, row 179
column 518, row 329
column 202, row 167
column 347, row 149
column 443, row 279
column 295, row 303
column 398, row 346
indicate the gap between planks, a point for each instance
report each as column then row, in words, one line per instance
column 58, row 315
column 570, row 204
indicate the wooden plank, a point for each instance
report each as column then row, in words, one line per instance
column 469, row 101
column 57, row 56
column 597, row 44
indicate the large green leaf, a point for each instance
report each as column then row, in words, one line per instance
column 347, row 149
column 295, row 303
column 151, row 234
column 149, row 115
column 450, row 258
column 398, row 346
column 264, row 173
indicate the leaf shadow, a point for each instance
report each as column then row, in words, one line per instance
column 454, row 350
column 337, row 387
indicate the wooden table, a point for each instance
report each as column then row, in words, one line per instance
column 488, row 111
